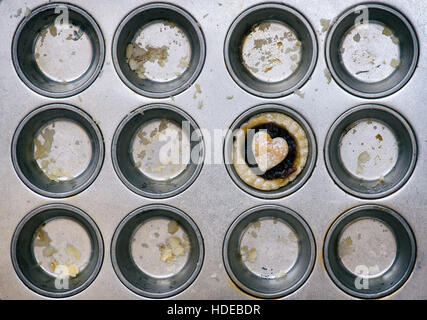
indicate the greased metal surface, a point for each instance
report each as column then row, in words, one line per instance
column 214, row 101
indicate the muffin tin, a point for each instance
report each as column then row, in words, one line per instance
column 326, row 220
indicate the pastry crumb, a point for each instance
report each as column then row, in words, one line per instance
column 299, row 93
column 250, row 255
column 328, row 75
column 356, row 37
column 395, row 63
column 345, row 247
column 214, row 276
column 173, row 248
column 361, row 160
column 172, row 226
column 73, row 251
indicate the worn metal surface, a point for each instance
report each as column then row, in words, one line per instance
column 213, row 201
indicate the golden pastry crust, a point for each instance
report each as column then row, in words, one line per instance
column 281, row 120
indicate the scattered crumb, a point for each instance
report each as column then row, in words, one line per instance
column 18, row 13
column 256, row 224
column 73, row 270
column 172, row 226
column 53, row 264
column 394, row 39
column 43, row 149
column 282, row 239
column 69, row 268
column 267, row 69
column 184, row 63
column 53, row 31
column 328, row 75
column 136, row 57
column 387, row 31
column 361, row 160
column 153, row 133
column 299, row 93
column 379, row 137
column 173, row 248
column 42, row 238
column 325, row 23
column 395, row 63
column 250, row 255
column 73, row 251
column 169, row 24
column 356, row 37
column 282, row 274
column 214, row 276
column 49, row 251
column 229, row 97
column 345, row 247
column 163, row 125
column 198, row 90
column 292, row 237
column 43, row 34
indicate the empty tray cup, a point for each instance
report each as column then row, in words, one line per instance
column 157, row 251
column 57, row 250
column 58, row 50
column 269, row 251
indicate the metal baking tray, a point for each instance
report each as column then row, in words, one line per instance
column 353, row 77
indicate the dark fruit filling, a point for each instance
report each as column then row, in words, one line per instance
column 284, row 168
